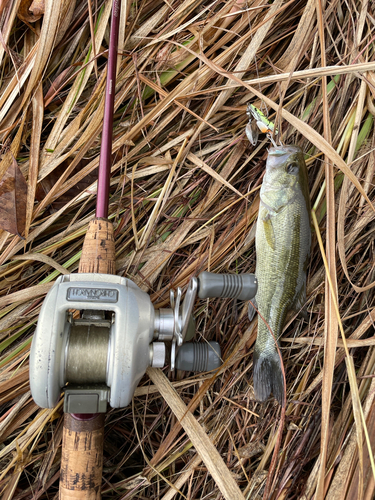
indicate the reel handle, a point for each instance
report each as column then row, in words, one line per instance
column 83, row 435
column 228, row 286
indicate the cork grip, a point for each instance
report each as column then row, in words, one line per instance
column 98, row 252
column 82, row 458
column 82, row 448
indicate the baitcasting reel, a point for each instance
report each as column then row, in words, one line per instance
column 101, row 356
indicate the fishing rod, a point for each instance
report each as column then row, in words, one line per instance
column 83, row 433
column 97, row 333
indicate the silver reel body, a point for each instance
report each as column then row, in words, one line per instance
column 126, row 355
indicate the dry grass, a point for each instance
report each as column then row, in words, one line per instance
column 184, row 198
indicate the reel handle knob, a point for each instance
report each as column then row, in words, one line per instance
column 203, row 357
column 230, row 286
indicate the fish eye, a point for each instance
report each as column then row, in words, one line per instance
column 292, row 168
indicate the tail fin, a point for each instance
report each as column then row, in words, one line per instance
column 268, row 375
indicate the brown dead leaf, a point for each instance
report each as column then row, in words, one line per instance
column 57, row 85
column 30, row 11
column 47, row 184
column 37, row 7
column 13, row 194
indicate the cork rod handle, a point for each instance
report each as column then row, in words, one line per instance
column 98, row 252
column 83, row 435
column 82, row 458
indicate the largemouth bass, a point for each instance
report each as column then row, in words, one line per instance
column 283, row 240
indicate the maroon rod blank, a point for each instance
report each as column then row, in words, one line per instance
column 107, row 136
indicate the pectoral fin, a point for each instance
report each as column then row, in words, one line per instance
column 269, row 233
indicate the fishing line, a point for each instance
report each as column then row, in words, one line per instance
column 262, row 103
column 274, row 135
column 251, row 133
column 278, row 351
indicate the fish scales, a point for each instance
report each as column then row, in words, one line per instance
column 283, row 240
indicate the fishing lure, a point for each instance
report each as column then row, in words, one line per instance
column 258, row 122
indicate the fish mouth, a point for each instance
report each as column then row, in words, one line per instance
column 284, row 150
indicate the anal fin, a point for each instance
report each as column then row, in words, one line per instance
column 299, row 305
